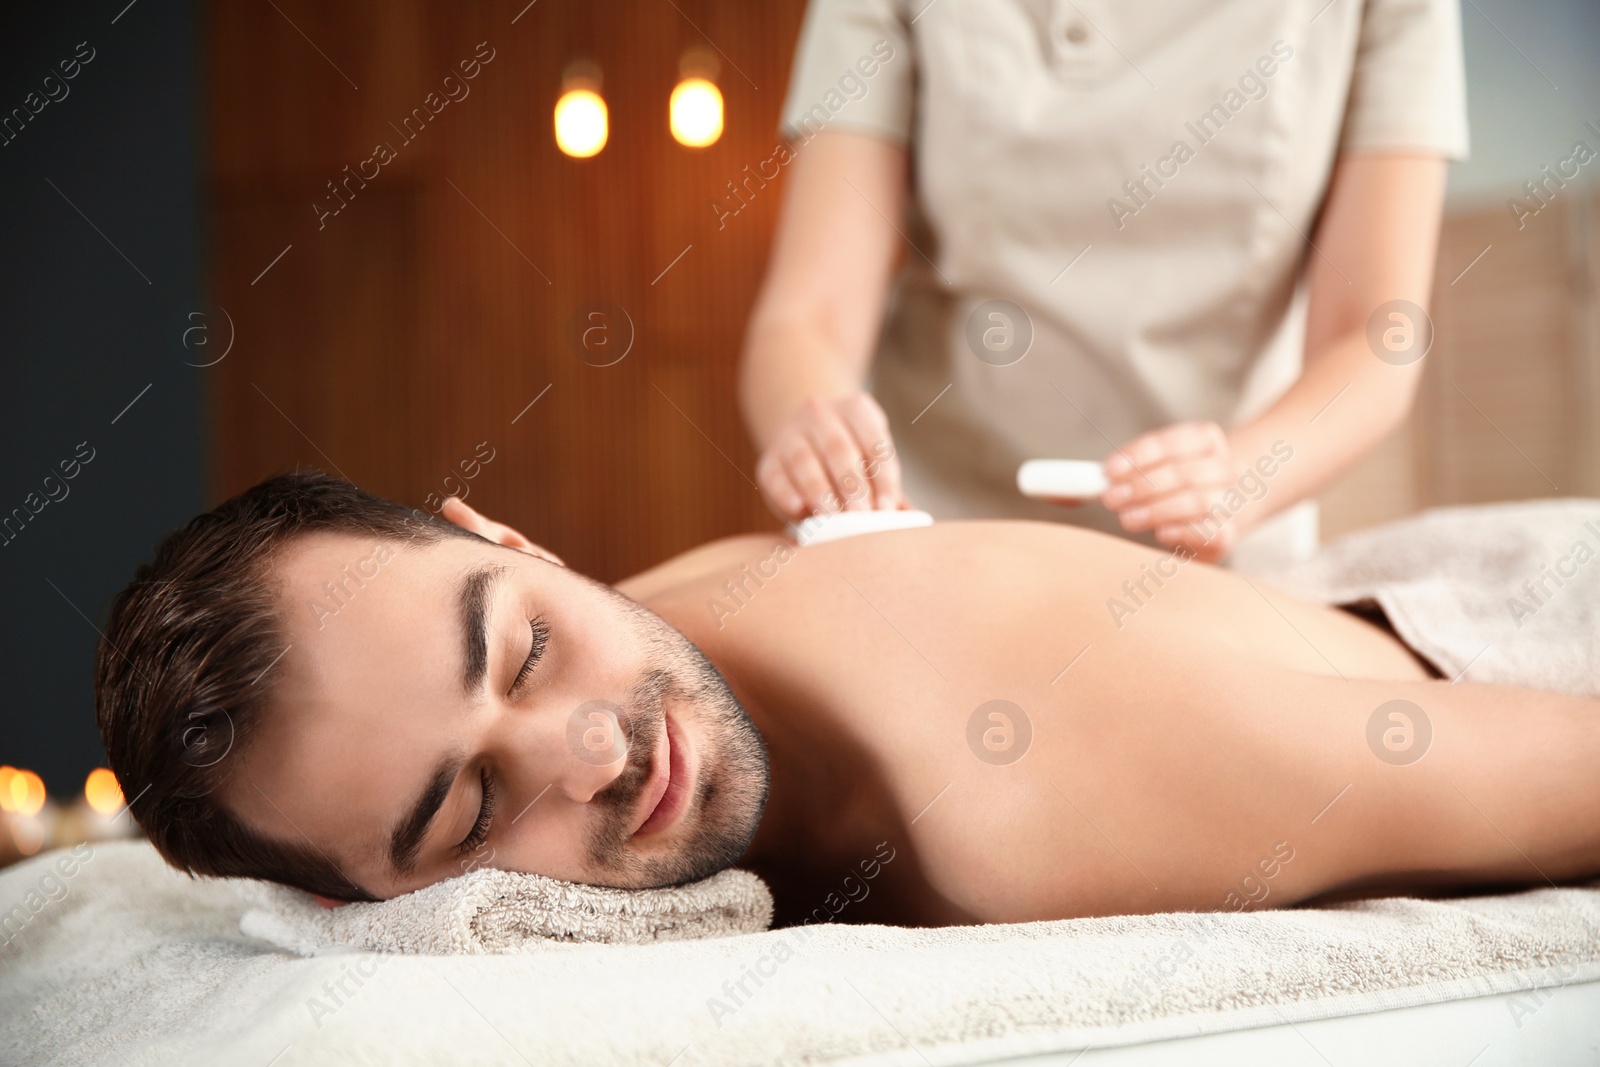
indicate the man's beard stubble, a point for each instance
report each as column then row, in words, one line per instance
column 733, row 774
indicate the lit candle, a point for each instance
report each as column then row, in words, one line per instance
column 98, row 814
column 25, row 817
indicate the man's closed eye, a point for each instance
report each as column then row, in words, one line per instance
column 480, row 829
column 541, row 637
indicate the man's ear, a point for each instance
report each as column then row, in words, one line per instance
column 457, row 511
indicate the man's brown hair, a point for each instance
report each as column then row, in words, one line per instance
column 183, row 672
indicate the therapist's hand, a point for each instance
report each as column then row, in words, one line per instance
column 834, row 454
column 1167, row 481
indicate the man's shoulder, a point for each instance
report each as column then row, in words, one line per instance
column 713, row 557
column 1001, row 537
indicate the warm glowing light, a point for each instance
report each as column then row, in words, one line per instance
column 28, row 833
column 21, row 791
column 581, row 123
column 102, row 791
column 696, row 112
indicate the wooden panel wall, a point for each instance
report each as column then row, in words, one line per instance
column 393, row 337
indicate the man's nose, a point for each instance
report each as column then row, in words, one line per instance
column 581, row 780
column 591, row 752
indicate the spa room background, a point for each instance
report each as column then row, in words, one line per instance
column 420, row 320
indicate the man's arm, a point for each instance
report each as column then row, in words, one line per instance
column 1224, row 782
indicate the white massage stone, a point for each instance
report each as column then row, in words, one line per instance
column 1062, row 479
column 819, row 528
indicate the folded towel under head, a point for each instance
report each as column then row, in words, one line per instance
column 492, row 911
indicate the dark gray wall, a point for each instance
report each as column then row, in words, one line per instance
column 93, row 308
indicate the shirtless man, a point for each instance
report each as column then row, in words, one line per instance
column 931, row 726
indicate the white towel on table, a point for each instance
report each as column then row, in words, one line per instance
column 1506, row 593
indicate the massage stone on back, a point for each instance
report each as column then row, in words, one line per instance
column 817, row 529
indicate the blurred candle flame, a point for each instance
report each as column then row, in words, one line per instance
column 102, row 791
column 21, row 791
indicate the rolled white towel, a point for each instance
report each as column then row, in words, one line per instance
column 492, row 911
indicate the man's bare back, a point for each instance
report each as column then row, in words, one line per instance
column 1038, row 722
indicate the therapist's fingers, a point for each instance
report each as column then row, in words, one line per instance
column 804, row 469
column 808, row 472
column 1181, row 440
column 842, row 459
column 1206, row 540
column 793, row 475
column 881, row 466
column 833, row 455
column 1155, row 482
column 1186, row 505
column 778, row 488
column 1185, row 519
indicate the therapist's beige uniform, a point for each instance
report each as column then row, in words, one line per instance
column 1181, row 301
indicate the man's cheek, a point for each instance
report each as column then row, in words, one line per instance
column 483, row 857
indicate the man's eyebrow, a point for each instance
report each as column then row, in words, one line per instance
column 406, row 840
column 472, row 600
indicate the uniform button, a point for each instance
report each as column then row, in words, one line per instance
column 1077, row 34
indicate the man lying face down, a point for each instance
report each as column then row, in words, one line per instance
column 318, row 687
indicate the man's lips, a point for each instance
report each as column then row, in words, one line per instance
column 666, row 794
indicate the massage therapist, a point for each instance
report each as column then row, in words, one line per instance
column 1186, row 239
